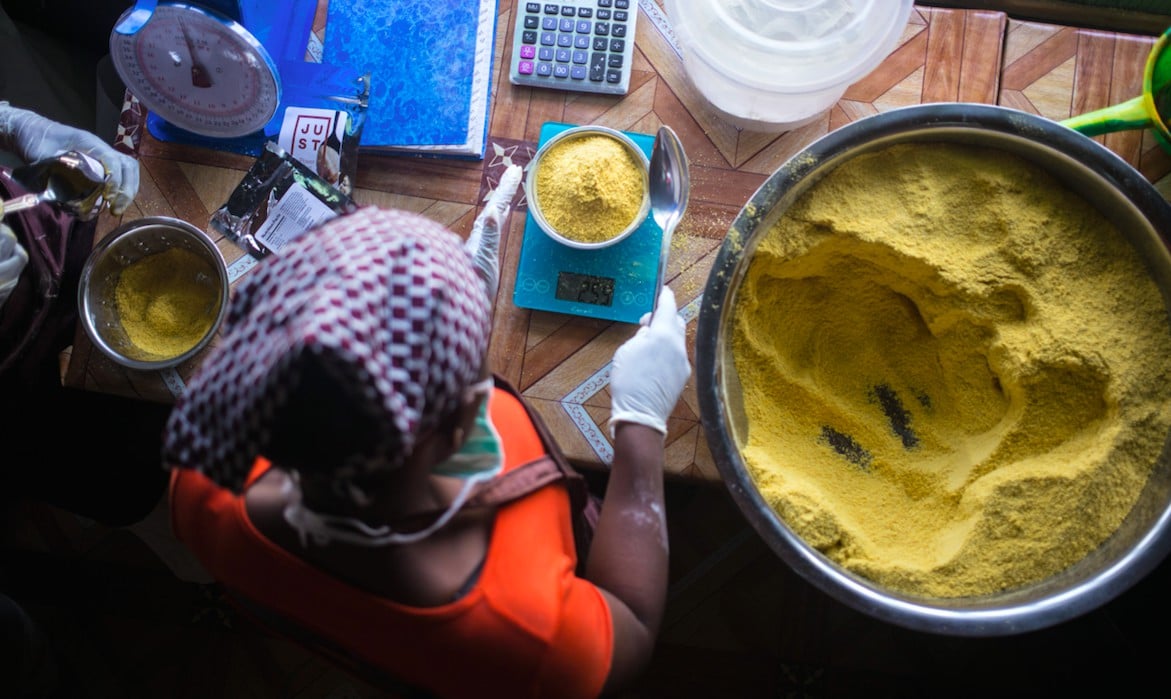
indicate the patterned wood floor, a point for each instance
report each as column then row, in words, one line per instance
column 561, row 362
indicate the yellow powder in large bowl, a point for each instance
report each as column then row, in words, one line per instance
column 956, row 372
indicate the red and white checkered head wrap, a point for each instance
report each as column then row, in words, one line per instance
column 385, row 304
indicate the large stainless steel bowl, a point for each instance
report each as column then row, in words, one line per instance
column 1086, row 167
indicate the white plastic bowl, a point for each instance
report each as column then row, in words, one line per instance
column 775, row 65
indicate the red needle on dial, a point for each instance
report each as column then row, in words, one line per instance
column 199, row 75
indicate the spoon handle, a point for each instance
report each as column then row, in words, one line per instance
column 669, row 160
column 20, row 203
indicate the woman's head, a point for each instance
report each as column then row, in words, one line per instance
column 338, row 353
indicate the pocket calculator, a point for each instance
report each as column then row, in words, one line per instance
column 586, row 46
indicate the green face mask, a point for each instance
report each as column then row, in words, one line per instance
column 481, row 456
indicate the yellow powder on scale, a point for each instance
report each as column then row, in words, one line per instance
column 590, row 188
column 956, row 372
column 166, row 301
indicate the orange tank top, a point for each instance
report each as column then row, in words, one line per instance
column 528, row 628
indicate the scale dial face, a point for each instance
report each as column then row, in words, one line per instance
column 199, row 71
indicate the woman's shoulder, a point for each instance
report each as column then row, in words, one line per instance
column 518, row 435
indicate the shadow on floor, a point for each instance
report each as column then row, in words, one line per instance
column 739, row 623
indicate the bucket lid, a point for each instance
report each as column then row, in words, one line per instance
column 790, row 45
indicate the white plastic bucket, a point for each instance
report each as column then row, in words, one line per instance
column 774, row 65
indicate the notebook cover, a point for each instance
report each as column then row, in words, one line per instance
column 430, row 65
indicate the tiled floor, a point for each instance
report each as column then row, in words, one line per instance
column 739, row 624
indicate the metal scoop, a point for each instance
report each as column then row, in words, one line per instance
column 670, row 183
column 72, row 181
column 1150, row 109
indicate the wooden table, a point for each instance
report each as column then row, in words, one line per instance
column 560, row 362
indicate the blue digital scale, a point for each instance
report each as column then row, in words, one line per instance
column 612, row 283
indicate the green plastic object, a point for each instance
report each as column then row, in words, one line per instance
column 1151, row 109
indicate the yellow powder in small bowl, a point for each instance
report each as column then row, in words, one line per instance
column 167, row 301
column 590, row 189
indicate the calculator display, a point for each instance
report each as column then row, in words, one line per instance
column 585, row 288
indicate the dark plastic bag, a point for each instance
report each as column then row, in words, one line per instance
column 279, row 199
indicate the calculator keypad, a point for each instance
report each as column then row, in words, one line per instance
column 585, row 46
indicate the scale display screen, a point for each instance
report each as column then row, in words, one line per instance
column 612, row 283
column 585, row 288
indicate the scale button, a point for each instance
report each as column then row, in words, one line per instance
column 533, row 284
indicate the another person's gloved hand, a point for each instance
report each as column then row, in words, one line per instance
column 650, row 369
column 33, row 137
column 13, row 258
column 484, row 242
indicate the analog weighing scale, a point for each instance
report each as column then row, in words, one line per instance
column 205, row 69
column 612, row 283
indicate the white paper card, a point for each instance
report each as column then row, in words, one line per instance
column 295, row 212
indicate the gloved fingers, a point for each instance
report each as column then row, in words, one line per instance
column 122, row 169
column 501, row 197
column 35, row 137
column 665, row 294
column 10, row 247
column 13, row 259
column 123, row 185
column 650, row 369
column 506, row 190
column 483, row 245
column 491, row 219
column 667, row 311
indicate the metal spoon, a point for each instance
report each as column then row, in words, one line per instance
column 670, row 183
column 72, row 181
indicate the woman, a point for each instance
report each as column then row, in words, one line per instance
column 332, row 452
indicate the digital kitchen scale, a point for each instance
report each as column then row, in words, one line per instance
column 613, row 283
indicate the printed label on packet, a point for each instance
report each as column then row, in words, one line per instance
column 295, row 212
column 310, row 134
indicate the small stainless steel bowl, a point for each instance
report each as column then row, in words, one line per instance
column 130, row 243
column 582, row 132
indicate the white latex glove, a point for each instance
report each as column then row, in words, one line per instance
column 484, row 243
column 13, row 258
column 650, row 369
column 33, row 137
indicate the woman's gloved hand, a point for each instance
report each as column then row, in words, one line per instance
column 484, row 242
column 650, row 369
column 13, row 258
column 33, row 137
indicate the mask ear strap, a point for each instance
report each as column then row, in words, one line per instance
column 456, row 505
column 325, row 528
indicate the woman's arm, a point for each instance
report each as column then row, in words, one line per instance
column 628, row 557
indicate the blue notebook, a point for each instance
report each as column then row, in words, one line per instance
column 431, row 66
